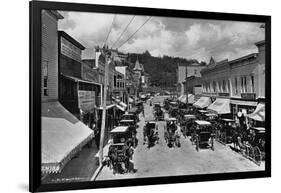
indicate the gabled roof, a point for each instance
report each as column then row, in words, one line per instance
column 138, row 66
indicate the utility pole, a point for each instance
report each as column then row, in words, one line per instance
column 106, row 67
column 186, row 87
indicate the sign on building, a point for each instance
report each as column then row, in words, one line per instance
column 86, row 100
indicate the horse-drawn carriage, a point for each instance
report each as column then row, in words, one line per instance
column 132, row 128
column 157, row 111
column 252, row 146
column 121, row 150
column 130, row 116
column 187, row 123
column 172, row 133
column 150, row 133
column 139, row 106
column 203, row 134
column 226, row 131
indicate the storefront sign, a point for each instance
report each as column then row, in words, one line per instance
column 249, row 96
column 86, row 100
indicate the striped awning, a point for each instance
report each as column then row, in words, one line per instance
column 63, row 135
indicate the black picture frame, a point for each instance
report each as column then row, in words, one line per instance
column 35, row 93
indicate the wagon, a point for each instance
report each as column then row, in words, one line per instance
column 226, row 131
column 132, row 129
column 121, row 150
column 130, row 116
column 187, row 123
column 204, row 135
column 150, row 133
column 171, row 133
column 257, row 144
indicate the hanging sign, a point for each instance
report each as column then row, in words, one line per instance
column 86, row 100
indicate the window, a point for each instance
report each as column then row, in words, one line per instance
column 223, row 86
column 236, row 85
column 252, row 83
column 214, row 86
column 45, row 78
column 243, row 84
column 114, row 82
column 195, row 71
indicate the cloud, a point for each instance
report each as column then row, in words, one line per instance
column 190, row 38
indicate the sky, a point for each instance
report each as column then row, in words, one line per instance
column 179, row 37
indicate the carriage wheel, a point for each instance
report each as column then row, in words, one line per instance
column 257, row 155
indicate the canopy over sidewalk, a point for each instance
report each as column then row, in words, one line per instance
column 259, row 113
column 202, row 103
column 63, row 135
column 220, row 106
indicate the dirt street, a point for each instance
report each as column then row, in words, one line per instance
column 161, row 160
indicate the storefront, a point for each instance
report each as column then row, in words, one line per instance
column 81, row 98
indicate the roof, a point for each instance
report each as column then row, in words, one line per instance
column 119, row 129
column 200, row 122
column 191, row 64
column 138, row 66
column 79, row 80
column 56, row 14
column 71, row 39
column 63, row 135
column 249, row 56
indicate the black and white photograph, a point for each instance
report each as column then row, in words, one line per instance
column 129, row 96
column 137, row 97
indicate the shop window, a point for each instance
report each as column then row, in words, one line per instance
column 45, row 78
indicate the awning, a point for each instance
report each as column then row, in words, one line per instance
column 107, row 107
column 259, row 113
column 131, row 100
column 191, row 99
column 80, row 80
column 243, row 102
column 121, row 108
column 181, row 97
column 220, row 106
column 202, row 102
column 63, row 135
